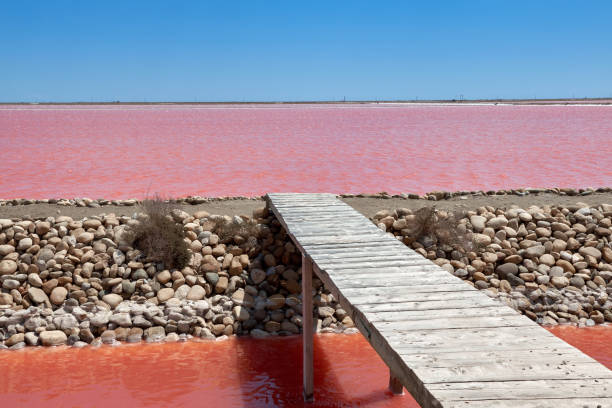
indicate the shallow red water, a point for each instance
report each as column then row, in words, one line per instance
column 234, row 373
column 594, row 341
column 125, row 151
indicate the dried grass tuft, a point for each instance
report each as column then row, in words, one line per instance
column 158, row 236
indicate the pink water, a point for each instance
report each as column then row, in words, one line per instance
column 125, row 151
column 235, row 373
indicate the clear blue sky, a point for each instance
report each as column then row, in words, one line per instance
column 310, row 50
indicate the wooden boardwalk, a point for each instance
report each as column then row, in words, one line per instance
column 447, row 343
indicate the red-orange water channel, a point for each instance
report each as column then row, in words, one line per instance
column 233, row 373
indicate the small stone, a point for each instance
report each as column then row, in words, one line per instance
column 163, row 277
column 235, row 268
column 108, row 337
column 121, row 319
column 14, row 339
column 6, row 249
column 24, row 244
column 38, row 296
column 497, row 222
column 577, row 281
column 10, row 284
column 6, row 299
column 85, row 238
column 128, row 287
column 559, row 281
column 164, row 294
column 53, row 338
column 478, row 222
column 196, row 292
column 34, row 280
column 86, row 335
column 326, row 311
column 535, row 251
column 42, row 228
column 7, row 267
column 481, row 240
column 597, row 317
column 506, row 269
column 276, row 301
column 271, row 326
column 222, row 284
column 182, row 291
column 566, row 266
column 31, row 339
column 259, row 334
column 154, row 334
column 289, row 327
column 212, row 278
column 258, row 276
column 241, row 313
column 590, row 251
column 112, row 299
column 240, row 297
column 547, row 259
column 134, row 335
column 58, row 295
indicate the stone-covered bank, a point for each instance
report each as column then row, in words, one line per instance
column 79, row 282
column 552, row 263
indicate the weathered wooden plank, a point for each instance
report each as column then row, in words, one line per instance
column 508, row 358
column 457, row 323
column 517, row 371
column 333, row 232
column 359, row 250
column 295, row 196
column 427, row 314
column 397, row 300
column 559, row 402
column 366, row 280
column 473, row 340
column 399, row 305
column 357, row 257
column 339, row 239
column 512, row 390
column 414, row 285
column 455, row 290
column 383, row 267
column 387, row 243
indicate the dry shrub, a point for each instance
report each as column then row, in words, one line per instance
column 228, row 230
column 158, row 237
column 431, row 225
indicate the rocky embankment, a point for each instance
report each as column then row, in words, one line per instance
column 66, row 281
column 79, row 282
column 552, row 263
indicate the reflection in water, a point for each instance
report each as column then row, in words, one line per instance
column 125, row 151
column 234, row 373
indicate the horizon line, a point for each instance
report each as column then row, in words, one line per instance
column 334, row 101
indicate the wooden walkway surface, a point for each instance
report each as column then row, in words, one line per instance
column 447, row 343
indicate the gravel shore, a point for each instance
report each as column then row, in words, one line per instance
column 76, row 278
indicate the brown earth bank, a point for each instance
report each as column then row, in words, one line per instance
column 368, row 206
column 80, row 277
